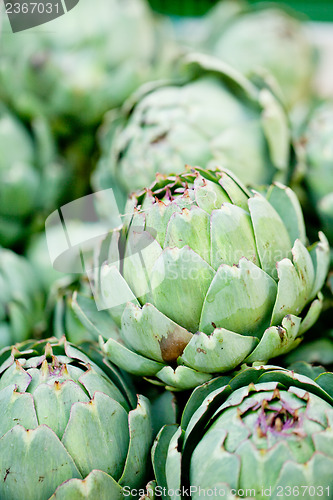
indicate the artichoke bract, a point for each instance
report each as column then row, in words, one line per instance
column 260, row 434
column 317, row 153
column 206, row 274
column 213, row 116
column 72, row 428
column 266, row 39
column 21, row 300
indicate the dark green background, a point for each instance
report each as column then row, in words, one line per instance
column 320, row 10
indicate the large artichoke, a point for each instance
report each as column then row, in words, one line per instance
column 267, row 39
column 206, row 274
column 316, row 149
column 71, row 428
column 21, row 300
column 214, row 116
column 31, row 180
column 266, row 433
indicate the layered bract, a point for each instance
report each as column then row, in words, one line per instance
column 212, row 116
column 71, row 428
column 261, row 433
column 206, row 275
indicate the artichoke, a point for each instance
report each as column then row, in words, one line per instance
column 206, row 275
column 316, row 150
column 31, row 181
column 213, row 116
column 72, row 428
column 21, row 300
column 264, row 433
column 89, row 61
column 267, row 39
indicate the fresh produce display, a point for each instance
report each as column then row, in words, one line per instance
column 166, row 250
column 206, row 274
column 21, row 300
column 259, row 434
column 213, row 116
column 94, row 432
column 268, row 39
column 90, row 61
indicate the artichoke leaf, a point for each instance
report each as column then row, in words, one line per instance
column 97, row 484
column 16, row 407
column 106, row 420
column 239, row 296
column 286, row 203
column 219, row 352
column 40, row 472
column 190, row 226
column 277, row 340
column 184, row 276
column 312, row 315
column 160, row 451
column 181, row 378
column 54, row 402
column 272, row 238
column 295, row 283
column 115, row 292
column 232, row 236
column 152, row 334
column 128, row 360
column 317, row 473
column 139, row 423
column 320, row 255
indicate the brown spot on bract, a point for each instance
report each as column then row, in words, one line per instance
column 7, row 472
column 201, row 350
column 172, row 346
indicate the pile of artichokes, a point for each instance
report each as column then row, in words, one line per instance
column 175, row 340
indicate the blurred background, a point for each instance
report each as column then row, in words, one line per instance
column 110, row 93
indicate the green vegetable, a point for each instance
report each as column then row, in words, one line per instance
column 267, row 39
column 31, row 179
column 71, row 426
column 213, row 116
column 21, row 300
column 317, row 152
column 206, row 275
column 263, row 433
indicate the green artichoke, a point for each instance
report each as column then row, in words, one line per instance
column 21, row 300
column 214, row 116
column 31, row 181
column 71, row 427
column 264, row 433
column 206, row 275
column 87, row 62
column 267, row 39
column 316, row 150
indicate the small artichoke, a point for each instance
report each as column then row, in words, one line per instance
column 213, row 116
column 207, row 275
column 264, row 433
column 71, row 429
column 21, row 300
column 266, row 39
column 31, row 181
column 87, row 62
column 317, row 153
